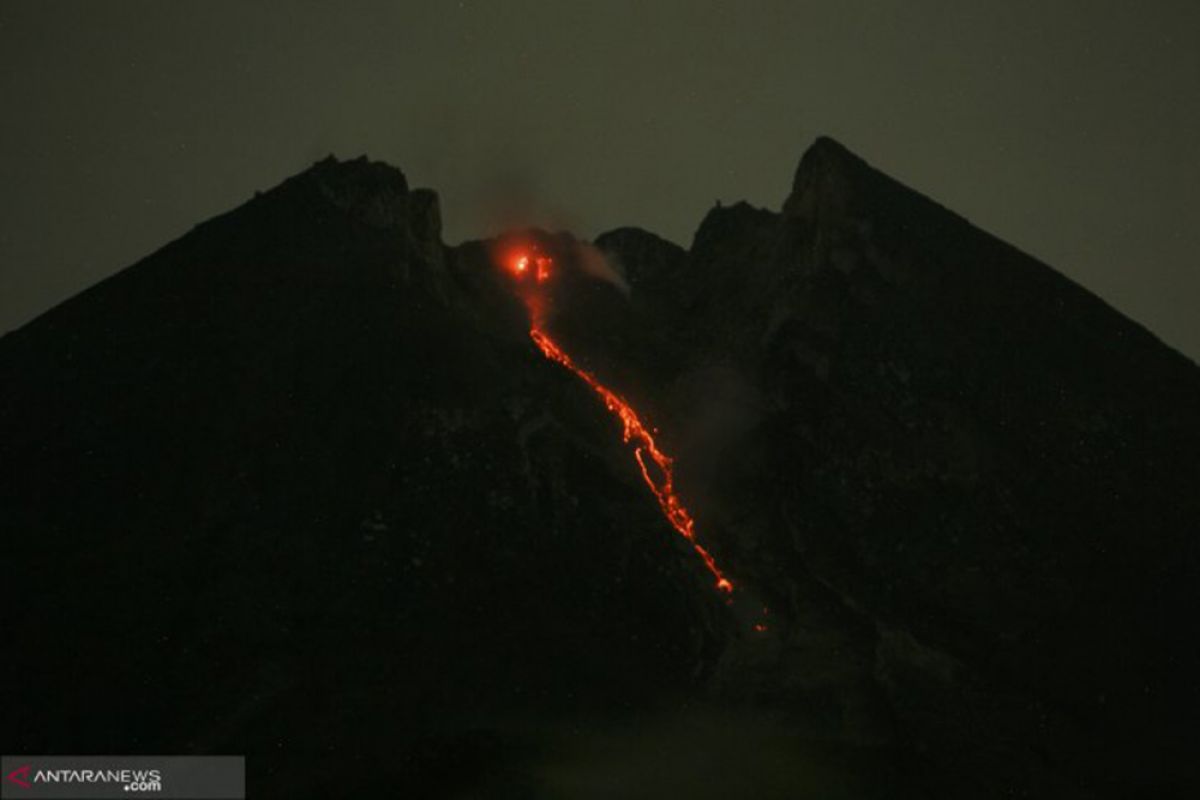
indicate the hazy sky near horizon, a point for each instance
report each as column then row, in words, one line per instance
column 1070, row 129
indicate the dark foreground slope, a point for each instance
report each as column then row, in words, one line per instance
column 298, row 486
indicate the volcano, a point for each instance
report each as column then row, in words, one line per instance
column 300, row 485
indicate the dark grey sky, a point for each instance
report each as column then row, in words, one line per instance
column 1071, row 129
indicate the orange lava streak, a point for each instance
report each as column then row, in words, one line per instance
column 636, row 432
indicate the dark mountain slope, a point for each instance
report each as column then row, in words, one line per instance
column 992, row 469
column 271, row 491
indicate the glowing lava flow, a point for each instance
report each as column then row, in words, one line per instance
column 635, row 431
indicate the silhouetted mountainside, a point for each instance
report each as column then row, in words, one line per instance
column 986, row 464
column 298, row 485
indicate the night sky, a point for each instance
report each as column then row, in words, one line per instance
column 1071, row 130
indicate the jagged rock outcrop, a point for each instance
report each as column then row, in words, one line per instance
column 651, row 264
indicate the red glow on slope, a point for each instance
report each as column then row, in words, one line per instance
column 636, row 432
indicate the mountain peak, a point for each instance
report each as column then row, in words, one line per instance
column 827, row 149
column 373, row 191
column 826, row 175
